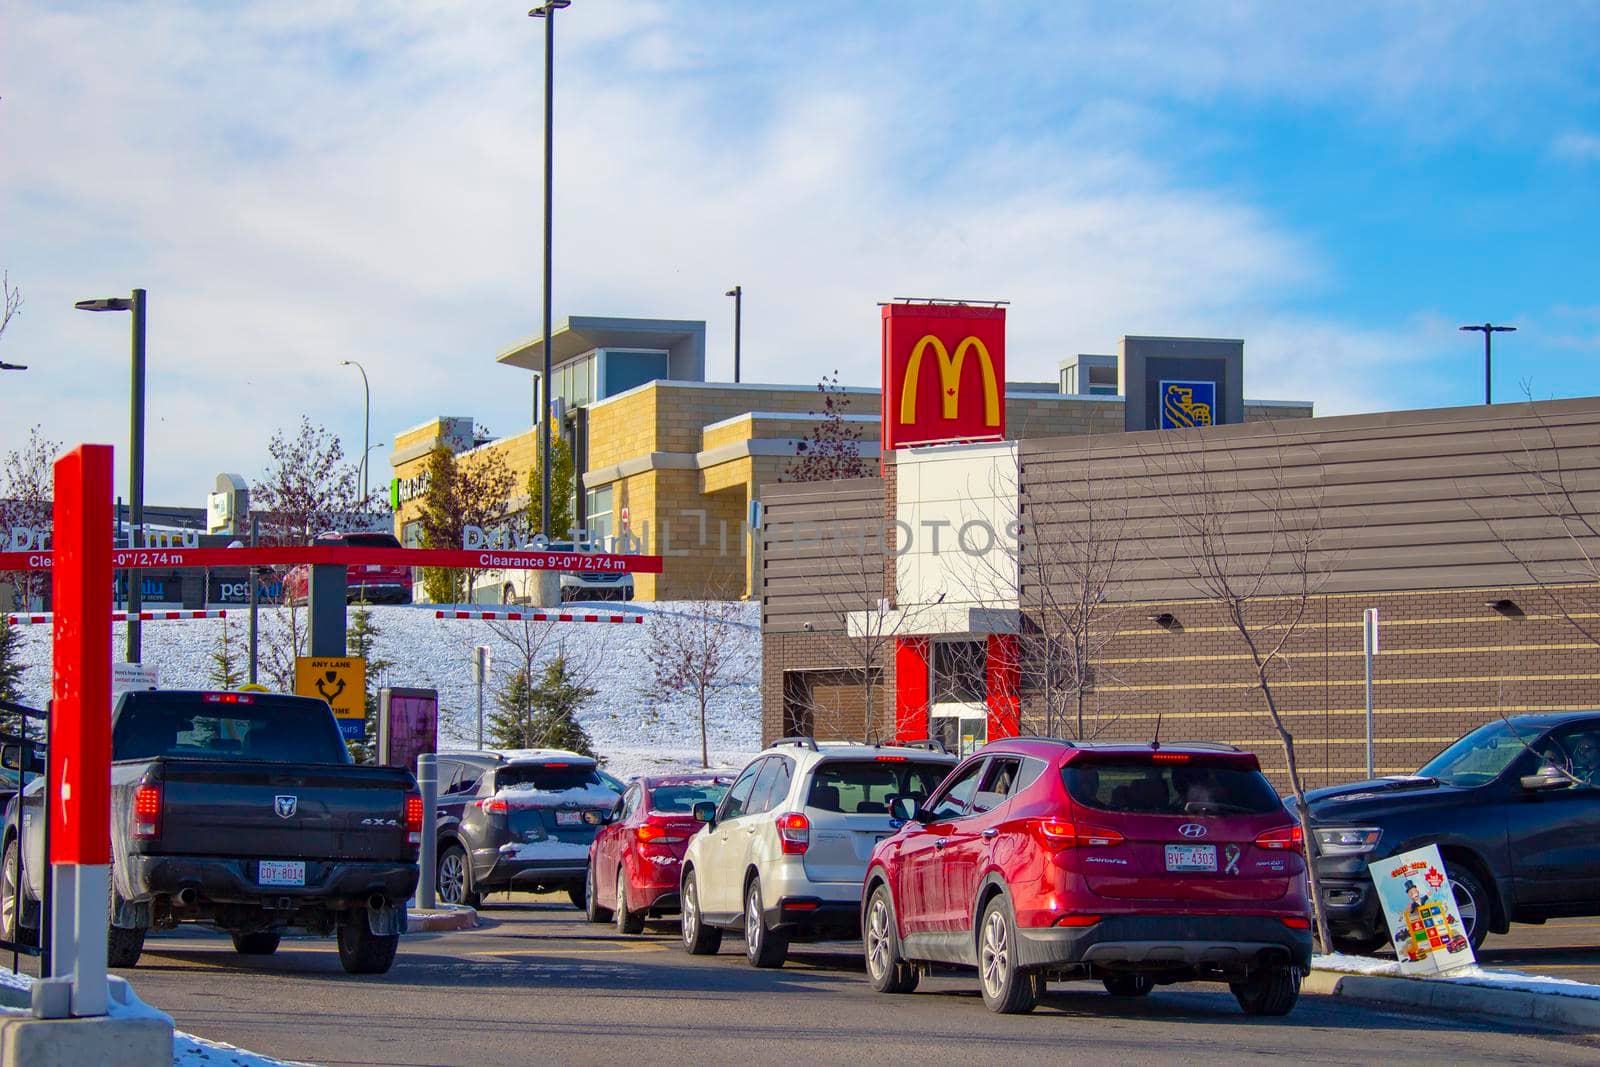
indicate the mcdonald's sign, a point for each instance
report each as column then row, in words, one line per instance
column 944, row 374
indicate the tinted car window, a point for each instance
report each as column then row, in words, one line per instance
column 1480, row 756
column 1141, row 787
column 548, row 777
column 997, row 783
column 772, row 785
column 681, row 799
column 184, row 726
column 868, row 787
column 371, row 540
column 953, row 804
column 733, row 804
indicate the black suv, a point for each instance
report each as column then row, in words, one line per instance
column 520, row 820
column 1514, row 807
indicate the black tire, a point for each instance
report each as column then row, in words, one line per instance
column 124, row 945
column 1128, row 985
column 698, row 938
column 363, row 952
column 13, row 926
column 887, row 969
column 763, row 947
column 591, row 909
column 1472, row 904
column 1270, row 992
column 1007, row 988
column 260, row 943
column 578, row 893
column 628, row 921
column 453, row 878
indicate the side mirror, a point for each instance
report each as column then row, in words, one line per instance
column 1549, row 777
column 705, row 811
column 12, row 759
column 904, row 809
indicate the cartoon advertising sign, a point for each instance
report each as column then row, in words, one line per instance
column 1425, row 926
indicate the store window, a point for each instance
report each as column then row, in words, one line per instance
column 959, row 672
column 626, row 369
column 597, row 515
column 574, row 381
column 411, row 535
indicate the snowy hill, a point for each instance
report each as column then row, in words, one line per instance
column 631, row 735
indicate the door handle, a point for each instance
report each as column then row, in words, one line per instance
column 992, row 832
column 941, row 843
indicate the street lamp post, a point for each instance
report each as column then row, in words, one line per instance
column 737, row 292
column 1488, row 330
column 547, row 11
column 366, row 425
column 136, row 304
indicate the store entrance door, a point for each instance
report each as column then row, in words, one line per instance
column 962, row 731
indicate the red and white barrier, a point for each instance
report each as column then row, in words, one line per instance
column 45, row 618
column 536, row 616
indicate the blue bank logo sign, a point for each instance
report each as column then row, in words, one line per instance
column 1185, row 404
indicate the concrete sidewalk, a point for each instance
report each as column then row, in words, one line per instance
column 448, row 917
column 1573, row 1011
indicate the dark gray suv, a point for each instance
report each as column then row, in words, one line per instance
column 521, row 822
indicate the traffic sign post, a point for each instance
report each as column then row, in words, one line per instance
column 80, row 729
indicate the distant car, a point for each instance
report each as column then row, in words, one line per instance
column 375, row 583
column 523, row 823
column 782, row 856
column 1135, row 865
column 516, row 587
column 1514, row 807
column 635, row 858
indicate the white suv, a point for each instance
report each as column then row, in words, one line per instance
column 783, row 856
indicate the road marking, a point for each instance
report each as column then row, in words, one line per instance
column 600, row 946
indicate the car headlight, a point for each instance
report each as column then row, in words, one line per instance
column 1347, row 840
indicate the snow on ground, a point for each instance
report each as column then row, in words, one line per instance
column 632, row 734
column 1471, row 974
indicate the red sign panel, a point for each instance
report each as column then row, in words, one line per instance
column 349, row 555
column 80, row 717
column 944, row 374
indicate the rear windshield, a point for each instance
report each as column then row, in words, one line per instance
column 1146, row 788
column 868, row 787
column 265, row 730
column 681, row 799
column 371, row 540
column 548, row 777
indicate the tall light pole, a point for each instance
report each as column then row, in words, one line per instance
column 366, row 424
column 135, row 304
column 737, row 292
column 547, row 11
column 1488, row 330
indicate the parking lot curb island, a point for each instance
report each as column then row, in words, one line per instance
column 437, row 920
column 29, row 1042
column 1553, row 1009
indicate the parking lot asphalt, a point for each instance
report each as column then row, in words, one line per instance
column 536, row 984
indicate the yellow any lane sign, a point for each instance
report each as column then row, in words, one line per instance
column 340, row 680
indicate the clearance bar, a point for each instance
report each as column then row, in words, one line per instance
column 535, row 616
column 352, row 556
column 21, row 619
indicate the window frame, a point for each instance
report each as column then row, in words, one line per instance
column 753, row 771
column 976, row 772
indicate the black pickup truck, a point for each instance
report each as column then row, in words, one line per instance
column 243, row 811
column 1514, row 807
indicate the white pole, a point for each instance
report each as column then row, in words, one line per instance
column 1369, row 648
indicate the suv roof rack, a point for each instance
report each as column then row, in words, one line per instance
column 1204, row 746
column 928, row 744
column 806, row 741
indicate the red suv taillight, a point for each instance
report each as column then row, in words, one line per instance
column 147, row 811
column 1290, row 838
column 1061, row 834
column 414, row 818
column 494, row 806
column 794, row 833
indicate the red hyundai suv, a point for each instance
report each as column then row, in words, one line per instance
column 636, row 858
column 1041, row 859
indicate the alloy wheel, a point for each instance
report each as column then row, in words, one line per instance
column 452, row 879
column 878, row 938
column 8, row 903
column 995, row 955
column 691, row 912
column 1466, row 908
column 752, row 919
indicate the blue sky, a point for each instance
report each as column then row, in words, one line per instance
column 302, row 183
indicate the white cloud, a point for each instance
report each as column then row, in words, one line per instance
column 1578, row 145
column 297, row 186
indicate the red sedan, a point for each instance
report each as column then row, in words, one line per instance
column 634, row 860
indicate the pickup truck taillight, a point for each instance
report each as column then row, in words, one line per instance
column 414, row 818
column 147, row 811
column 794, row 833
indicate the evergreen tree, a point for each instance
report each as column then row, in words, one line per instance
column 361, row 639
column 226, row 669
column 543, row 715
column 11, row 668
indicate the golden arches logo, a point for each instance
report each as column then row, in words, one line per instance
column 950, row 379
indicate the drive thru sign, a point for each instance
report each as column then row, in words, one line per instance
column 342, row 682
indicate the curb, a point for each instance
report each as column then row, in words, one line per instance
column 1575, row 1013
column 446, row 918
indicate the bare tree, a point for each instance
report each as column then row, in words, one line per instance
column 1249, row 544
column 27, row 495
column 284, row 640
column 695, row 652
column 309, row 488
column 833, row 447
column 10, row 301
column 471, row 490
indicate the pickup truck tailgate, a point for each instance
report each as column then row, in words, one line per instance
column 282, row 810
